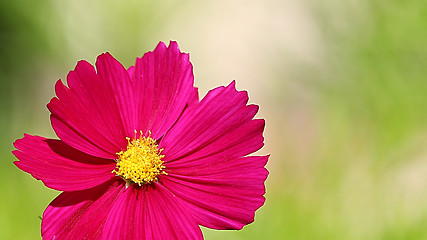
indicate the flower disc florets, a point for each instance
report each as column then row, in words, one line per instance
column 141, row 163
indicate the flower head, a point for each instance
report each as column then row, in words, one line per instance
column 140, row 157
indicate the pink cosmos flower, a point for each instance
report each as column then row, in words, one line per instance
column 140, row 157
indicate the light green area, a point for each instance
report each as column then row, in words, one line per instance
column 353, row 165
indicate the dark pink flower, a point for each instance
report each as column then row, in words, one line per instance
column 140, row 157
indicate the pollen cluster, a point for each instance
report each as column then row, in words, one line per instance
column 141, row 163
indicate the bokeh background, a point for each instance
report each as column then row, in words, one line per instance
column 342, row 86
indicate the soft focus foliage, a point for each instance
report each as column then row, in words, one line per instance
column 341, row 84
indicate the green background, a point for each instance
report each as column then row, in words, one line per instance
column 342, row 86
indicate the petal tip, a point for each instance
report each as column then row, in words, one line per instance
column 104, row 57
column 161, row 46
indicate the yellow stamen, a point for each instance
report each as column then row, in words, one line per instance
column 141, row 163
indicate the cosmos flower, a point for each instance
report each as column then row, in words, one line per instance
column 140, row 157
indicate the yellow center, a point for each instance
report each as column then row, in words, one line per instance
column 141, row 163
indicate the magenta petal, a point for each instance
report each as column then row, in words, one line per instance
column 118, row 85
column 81, row 214
column 224, row 195
column 220, row 124
column 73, row 138
column 206, row 164
column 238, row 142
column 60, row 166
column 130, row 71
column 194, row 97
column 85, row 115
column 163, row 82
column 150, row 212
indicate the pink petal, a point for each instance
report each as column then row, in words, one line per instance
column 130, row 71
column 221, row 124
column 241, row 141
column 193, row 97
column 60, row 166
column 74, row 137
column 224, row 195
column 119, row 87
column 150, row 212
column 86, row 115
column 163, row 82
column 204, row 158
column 81, row 214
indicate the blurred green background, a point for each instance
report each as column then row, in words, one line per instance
column 342, row 86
